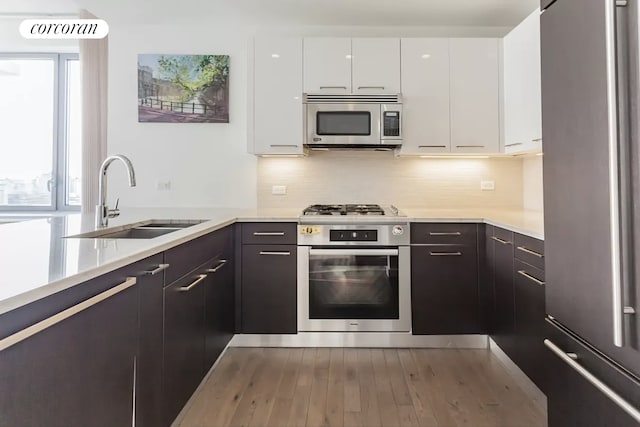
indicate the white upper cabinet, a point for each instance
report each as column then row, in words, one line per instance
column 522, row 87
column 327, row 65
column 376, row 65
column 425, row 93
column 475, row 95
column 277, row 104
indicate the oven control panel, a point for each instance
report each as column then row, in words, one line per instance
column 353, row 235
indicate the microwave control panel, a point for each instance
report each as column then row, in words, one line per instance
column 391, row 123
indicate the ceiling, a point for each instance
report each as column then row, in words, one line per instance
column 494, row 13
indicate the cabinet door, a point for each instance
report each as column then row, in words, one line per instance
column 327, row 65
column 278, row 112
column 219, row 310
column 77, row 372
column 444, row 290
column 530, row 353
column 475, row 95
column 522, row 88
column 183, row 340
column 150, row 336
column 376, row 65
column 425, row 96
column 269, row 289
column 504, row 304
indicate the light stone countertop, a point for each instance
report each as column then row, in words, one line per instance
column 37, row 260
column 529, row 223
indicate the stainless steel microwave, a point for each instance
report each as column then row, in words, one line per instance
column 353, row 121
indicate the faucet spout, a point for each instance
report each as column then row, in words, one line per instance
column 103, row 213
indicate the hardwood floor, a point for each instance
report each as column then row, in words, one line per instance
column 361, row 387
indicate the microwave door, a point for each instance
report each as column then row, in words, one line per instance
column 343, row 124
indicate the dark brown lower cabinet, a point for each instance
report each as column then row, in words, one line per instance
column 503, row 314
column 219, row 309
column 78, row 372
column 184, row 339
column 444, row 290
column 150, row 338
column 530, row 354
column 269, row 289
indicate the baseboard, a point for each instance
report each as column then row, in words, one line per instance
column 529, row 387
column 187, row 406
column 362, row 340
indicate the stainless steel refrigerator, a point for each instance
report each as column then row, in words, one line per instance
column 591, row 143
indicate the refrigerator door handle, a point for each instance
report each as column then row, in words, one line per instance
column 571, row 360
column 615, row 211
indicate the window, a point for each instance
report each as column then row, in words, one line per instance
column 40, row 141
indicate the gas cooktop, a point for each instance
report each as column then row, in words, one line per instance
column 351, row 209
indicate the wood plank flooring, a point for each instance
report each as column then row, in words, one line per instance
column 312, row 387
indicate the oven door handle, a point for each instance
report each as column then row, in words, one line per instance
column 354, row 252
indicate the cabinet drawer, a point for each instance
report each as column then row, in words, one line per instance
column 444, row 234
column 528, row 272
column 529, row 250
column 269, row 233
column 188, row 256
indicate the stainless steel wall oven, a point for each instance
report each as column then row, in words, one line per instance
column 354, row 277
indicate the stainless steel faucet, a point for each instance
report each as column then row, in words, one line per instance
column 103, row 213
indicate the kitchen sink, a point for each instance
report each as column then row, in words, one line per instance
column 142, row 230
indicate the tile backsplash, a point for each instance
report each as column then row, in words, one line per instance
column 379, row 177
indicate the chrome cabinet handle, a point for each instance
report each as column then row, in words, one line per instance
column 453, row 233
column 269, row 233
column 65, row 314
column 217, row 267
column 499, row 240
column 283, row 146
column 470, row 146
column 194, row 284
column 571, row 360
column 514, row 144
column 371, row 87
column 161, row 267
column 283, row 253
column 333, row 87
column 445, row 253
column 529, row 251
column 432, row 146
column 530, row 277
column 537, row 140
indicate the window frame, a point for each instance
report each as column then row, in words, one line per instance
column 59, row 157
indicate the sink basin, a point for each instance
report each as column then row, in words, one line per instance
column 141, row 230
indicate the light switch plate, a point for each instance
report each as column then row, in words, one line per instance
column 279, row 190
column 487, row 185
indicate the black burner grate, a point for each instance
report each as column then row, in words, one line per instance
column 350, row 209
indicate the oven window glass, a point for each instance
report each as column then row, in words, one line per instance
column 353, row 287
column 356, row 123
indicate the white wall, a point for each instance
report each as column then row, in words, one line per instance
column 206, row 163
column 12, row 41
column 532, row 183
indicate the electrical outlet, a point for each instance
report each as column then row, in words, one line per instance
column 279, row 190
column 487, row 185
column 163, row 185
